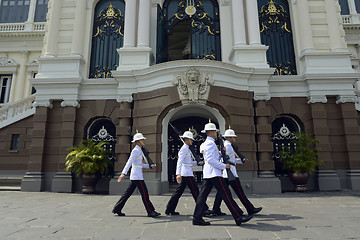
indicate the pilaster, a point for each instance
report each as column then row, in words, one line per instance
column 267, row 182
column 62, row 181
column 327, row 178
column 34, row 180
column 352, row 137
column 123, row 146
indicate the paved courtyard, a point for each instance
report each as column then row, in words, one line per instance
column 45, row 215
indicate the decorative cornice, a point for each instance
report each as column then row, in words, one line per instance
column 317, row 99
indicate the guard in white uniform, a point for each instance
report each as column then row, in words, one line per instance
column 212, row 175
column 135, row 161
column 184, row 175
column 236, row 185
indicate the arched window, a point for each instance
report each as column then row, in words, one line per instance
column 108, row 34
column 188, row 29
column 276, row 32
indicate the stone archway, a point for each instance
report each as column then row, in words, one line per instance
column 184, row 111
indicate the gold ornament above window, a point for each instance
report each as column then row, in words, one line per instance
column 190, row 7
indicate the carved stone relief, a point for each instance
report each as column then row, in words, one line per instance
column 193, row 85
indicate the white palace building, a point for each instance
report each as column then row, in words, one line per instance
column 93, row 69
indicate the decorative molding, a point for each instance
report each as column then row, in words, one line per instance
column 317, row 99
column 70, row 103
column 259, row 97
column 43, row 103
column 193, row 85
column 124, row 98
column 346, row 99
column 6, row 61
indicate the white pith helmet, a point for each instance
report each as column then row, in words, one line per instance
column 229, row 133
column 138, row 136
column 209, row 127
column 188, row 134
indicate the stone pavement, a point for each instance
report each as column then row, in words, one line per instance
column 45, row 215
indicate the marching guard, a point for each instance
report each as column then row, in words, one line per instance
column 236, row 185
column 184, row 175
column 212, row 175
column 135, row 161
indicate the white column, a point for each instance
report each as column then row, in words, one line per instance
column 21, row 79
column 32, row 7
column 336, row 40
column 238, row 17
column 130, row 23
column 305, row 31
column 78, row 33
column 144, row 23
column 53, row 29
column 252, row 22
column 352, row 7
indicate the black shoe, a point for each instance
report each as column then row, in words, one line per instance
column 243, row 219
column 118, row 213
column 200, row 222
column 218, row 213
column 154, row 214
column 171, row 213
column 255, row 210
column 207, row 213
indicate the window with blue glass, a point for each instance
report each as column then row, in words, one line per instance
column 107, row 36
column 276, row 32
column 41, row 10
column 188, row 29
column 344, row 7
column 14, row 11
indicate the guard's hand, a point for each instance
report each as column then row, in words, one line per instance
column 227, row 166
column 201, row 163
column 153, row 166
column 121, row 177
column 178, row 179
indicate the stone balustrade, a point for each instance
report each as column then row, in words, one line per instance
column 15, row 111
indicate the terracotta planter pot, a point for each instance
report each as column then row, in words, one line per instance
column 89, row 182
column 299, row 180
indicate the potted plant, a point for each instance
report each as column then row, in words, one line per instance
column 301, row 160
column 88, row 160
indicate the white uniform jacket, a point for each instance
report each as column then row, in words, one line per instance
column 185, row 163
column 136, row 164
column 231, row 153
column 212, row 167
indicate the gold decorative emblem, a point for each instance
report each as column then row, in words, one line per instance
column 110, row 13
column 272, row 8
column 190, row 7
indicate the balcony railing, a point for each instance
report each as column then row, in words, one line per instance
column 22, row 27
column 15, row 111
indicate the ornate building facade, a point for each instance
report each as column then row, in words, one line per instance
column 94, row 69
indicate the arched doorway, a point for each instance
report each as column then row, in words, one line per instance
column 283, row 129
column 102, row 129
column 195, row 125
column 183, row 118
